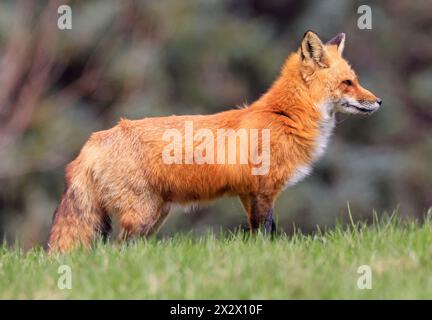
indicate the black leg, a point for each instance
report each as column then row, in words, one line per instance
column 269, row 224
column 106, row 227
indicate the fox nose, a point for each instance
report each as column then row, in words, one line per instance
column 379, row 101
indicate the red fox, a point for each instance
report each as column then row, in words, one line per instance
column 131, row 171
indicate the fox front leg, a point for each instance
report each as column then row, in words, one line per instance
column 269, row 224
column 259, row 210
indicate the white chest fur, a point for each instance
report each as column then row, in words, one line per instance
column 326, row 127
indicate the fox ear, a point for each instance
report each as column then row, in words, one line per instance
column 339, row 41
column 313, row 49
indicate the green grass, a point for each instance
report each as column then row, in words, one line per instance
column 319, row 266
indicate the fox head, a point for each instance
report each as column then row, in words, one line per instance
column 330, row 78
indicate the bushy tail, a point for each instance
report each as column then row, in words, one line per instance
column 77, row 219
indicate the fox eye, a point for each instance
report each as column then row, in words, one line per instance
column 347, row 82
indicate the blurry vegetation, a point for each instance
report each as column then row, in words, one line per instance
column 136, row 59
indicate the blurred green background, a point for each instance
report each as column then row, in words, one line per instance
column 136, row 59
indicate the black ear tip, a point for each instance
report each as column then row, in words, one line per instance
column 336, row 39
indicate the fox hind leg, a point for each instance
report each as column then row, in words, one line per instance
column 142, row 219
column 105, row 226
column 163, row 214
